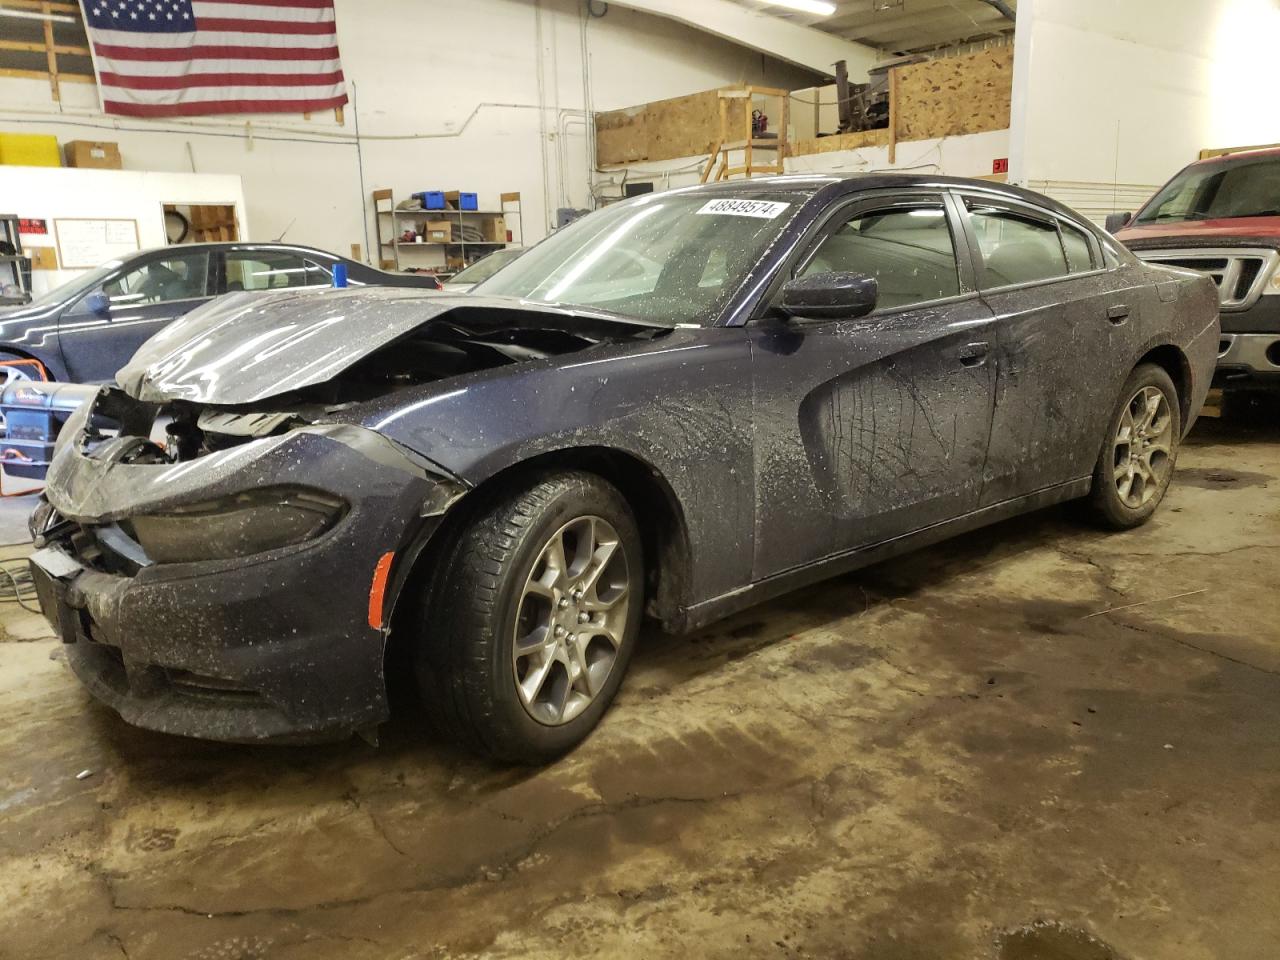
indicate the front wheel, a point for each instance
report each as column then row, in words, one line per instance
column 530, row 627
column 1138, row 455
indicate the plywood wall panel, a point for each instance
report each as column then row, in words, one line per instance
column 955, row 95
column 665, row 129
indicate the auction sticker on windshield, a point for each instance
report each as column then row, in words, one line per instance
column 760, row 209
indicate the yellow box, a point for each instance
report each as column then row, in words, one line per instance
column 30, row 150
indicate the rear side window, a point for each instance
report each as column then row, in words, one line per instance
column 1079, row 249
column 907, row 248
column 1016, row 247
column 270, row 270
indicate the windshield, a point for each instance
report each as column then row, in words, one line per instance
column 77, row 284
column 673, row 257
column 1218, row 192
column 487, row 267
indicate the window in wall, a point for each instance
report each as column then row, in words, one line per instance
column 908, row 249
column 1016, row 247
column 54, row 49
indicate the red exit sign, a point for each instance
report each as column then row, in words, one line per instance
column 1000, row 166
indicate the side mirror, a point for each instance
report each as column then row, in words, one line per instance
column 98, row 303
column 1117, row 221
column 830, row 296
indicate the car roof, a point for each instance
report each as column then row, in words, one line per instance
column 811, row 184
column 1239, row 156
column 241, row 245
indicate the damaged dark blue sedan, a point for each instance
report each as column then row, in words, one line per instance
column 678, row 406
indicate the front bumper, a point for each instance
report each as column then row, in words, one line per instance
column 1248, row 359
column 276, row 646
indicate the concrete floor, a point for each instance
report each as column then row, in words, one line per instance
column 1040, row 741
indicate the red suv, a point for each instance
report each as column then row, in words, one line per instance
column 1222, row 217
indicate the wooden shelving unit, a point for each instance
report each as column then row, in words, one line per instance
column 457, row 252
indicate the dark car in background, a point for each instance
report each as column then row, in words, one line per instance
column 678, row 406
column 89, row 327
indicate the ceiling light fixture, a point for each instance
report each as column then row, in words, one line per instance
column 821, row 7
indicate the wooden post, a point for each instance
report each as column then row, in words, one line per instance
column 844, row 109
column 50, row 54
column 748, row 107
column 893, row 115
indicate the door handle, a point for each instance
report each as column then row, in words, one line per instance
column 973, row 354
column 1118, row 313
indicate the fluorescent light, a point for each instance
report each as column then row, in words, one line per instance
column 820, row 7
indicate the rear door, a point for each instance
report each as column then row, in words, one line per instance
column 146, row 295
column 1063, row 316
column 869, row 428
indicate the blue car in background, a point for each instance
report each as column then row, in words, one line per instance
column 88, row 328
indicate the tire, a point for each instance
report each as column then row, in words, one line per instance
column 1111, row 502
column 484, row 596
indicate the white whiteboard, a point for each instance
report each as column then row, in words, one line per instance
column 85, row 244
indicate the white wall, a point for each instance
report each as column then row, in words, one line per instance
column 50, row 193
column 447, row 96
column 1128, row 93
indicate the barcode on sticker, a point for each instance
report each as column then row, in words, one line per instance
column 761, row 209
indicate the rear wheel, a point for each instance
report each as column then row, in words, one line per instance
column 14, row 369
column 533, row 618
column 1137, row 458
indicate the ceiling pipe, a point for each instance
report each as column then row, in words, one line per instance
column 1003, row 7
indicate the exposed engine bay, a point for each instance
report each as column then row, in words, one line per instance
column 463, row 341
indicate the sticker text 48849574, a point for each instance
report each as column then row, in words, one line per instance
column 760, row 209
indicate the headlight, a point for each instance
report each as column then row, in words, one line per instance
column 239, row 526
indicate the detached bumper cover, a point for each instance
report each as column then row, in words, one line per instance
column 273, row 646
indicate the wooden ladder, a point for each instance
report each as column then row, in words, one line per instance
column 748, row 142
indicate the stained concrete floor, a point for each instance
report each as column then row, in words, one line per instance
column 1040, row 741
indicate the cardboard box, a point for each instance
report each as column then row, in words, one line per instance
column 438, row 231
column 459, row 200
column 98, row 154
column 30, row 150
column 494, row 229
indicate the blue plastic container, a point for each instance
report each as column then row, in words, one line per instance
column 468, row 201
column 432, row 200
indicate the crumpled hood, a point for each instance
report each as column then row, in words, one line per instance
column 246, row 347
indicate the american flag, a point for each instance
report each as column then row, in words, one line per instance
column 182, row 58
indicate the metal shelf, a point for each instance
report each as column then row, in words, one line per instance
column 452, row 250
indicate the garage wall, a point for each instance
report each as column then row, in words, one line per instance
column 50, row 194
column 486, row 95
column 1111, row 99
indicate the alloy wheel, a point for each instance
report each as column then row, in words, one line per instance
column 571, row 620
column 1143, row 447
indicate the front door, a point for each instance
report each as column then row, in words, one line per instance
column 870, row 428
column 145, row 296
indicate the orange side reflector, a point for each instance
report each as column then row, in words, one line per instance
column 379, row 589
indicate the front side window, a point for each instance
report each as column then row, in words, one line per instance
column 907, row 248
column 183, row 277
column 258, row 270
column 1016, row 247
column 672, row 257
